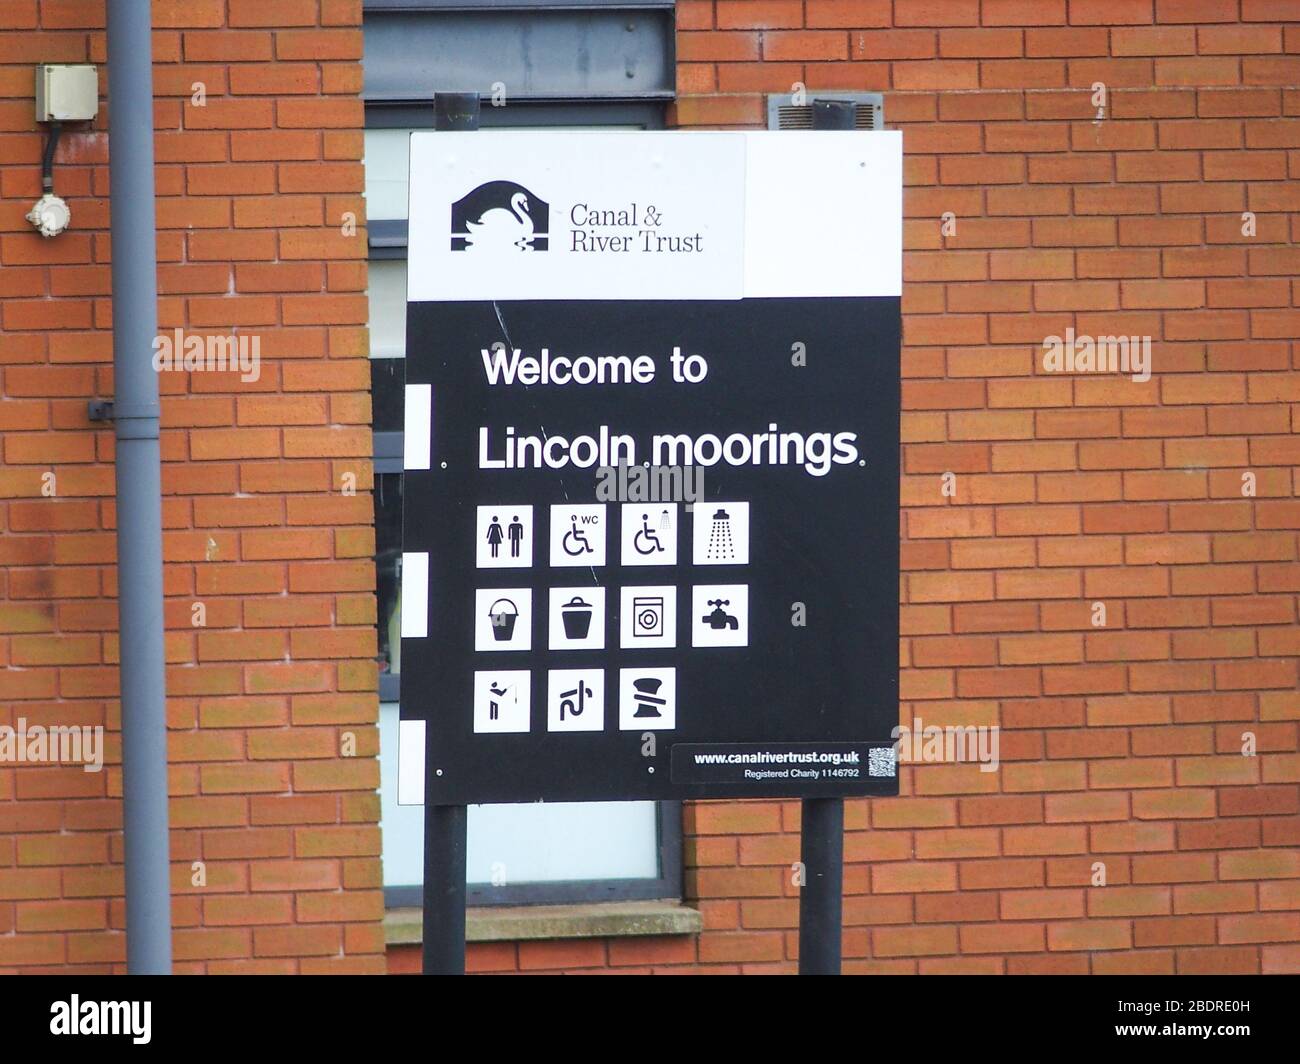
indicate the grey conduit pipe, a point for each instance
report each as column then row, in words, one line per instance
column 139, row 490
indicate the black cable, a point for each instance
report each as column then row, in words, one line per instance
column 47, row 164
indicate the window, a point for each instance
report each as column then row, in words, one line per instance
column 605, row 65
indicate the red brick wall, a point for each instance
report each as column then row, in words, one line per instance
column 252, row 191
column 1120, row 744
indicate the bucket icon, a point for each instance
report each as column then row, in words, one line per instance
column 577, row 618
column 503, row 614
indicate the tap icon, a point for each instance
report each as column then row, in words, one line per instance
column 719, row 618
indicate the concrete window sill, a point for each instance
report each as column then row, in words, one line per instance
column 402, row 927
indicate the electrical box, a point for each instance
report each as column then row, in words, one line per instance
column 66, row 93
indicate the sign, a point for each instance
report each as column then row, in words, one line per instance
column 651, row 490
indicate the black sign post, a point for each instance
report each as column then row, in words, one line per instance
column 446, row 826
column 650, row 521
column 444, row 889
column 821, row 898
column 821, row 820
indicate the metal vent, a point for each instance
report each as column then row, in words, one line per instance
column 784, row 113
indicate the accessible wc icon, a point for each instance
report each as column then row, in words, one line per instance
column 578, row 534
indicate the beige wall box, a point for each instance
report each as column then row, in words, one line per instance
column 66, row 93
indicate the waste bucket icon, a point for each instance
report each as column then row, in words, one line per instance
column 577, row 618
column 503, row 614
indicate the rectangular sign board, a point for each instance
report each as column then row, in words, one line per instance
column 652, row 445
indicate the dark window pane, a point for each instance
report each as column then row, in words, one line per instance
column 388, row 562
column 387, row 390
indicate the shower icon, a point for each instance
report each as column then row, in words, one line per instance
column 721, row 533
column 720, row 548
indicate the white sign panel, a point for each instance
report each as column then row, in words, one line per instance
column 638, row 215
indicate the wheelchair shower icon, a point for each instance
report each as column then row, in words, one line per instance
column 646, row 541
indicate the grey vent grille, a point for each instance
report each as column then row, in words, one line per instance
column 784, row 113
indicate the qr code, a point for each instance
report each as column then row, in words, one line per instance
column 882, row 761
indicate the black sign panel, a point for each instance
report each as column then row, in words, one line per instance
column 662, row 541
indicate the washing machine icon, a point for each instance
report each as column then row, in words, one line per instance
column 648, row 616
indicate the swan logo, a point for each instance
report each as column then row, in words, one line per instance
column 500, row 216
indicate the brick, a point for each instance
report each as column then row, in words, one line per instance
column 1090, row 935
column 718, row 46
column 1174, row 931
column 914, row 942
column 1260, row 864
column 1234, row 960
column 912, row 877
column 1261, row 927
column 936, row 12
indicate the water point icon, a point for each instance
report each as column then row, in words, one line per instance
column 720, row 615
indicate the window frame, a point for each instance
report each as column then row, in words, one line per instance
column 667, row 885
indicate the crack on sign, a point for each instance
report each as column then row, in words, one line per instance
column 510, row 346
